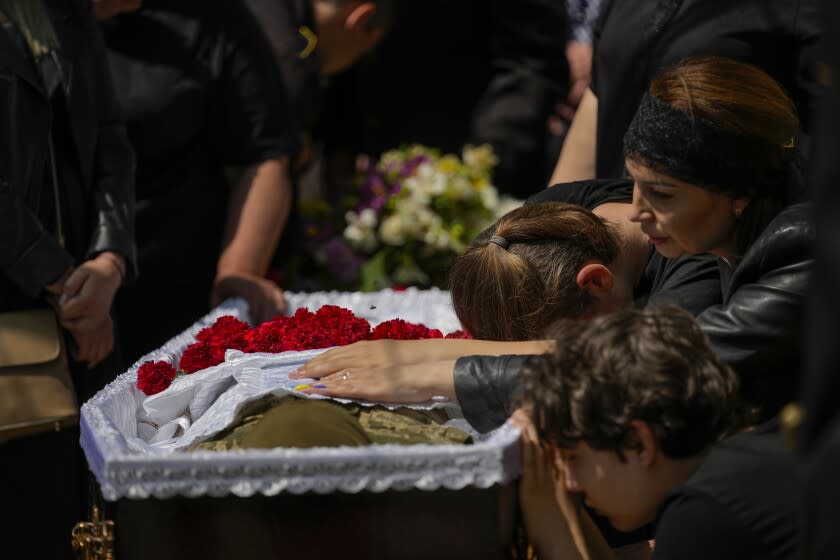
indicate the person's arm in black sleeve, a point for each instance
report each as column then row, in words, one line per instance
column 695, row 527
column 758, row 330
column 252, row 128
column 30, row 256
column 530, row 74
column 114, row 165
column 485, row 387
column 252, row 121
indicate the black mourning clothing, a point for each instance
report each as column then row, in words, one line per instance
column 69, row 95
column 200, row 92
column 819, row 436
column 637, row 39
column 742, row 503
column 452, row 73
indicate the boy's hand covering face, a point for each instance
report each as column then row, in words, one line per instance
column 548, row 510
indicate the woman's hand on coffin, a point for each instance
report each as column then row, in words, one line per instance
column 370, row 354
column 543, row 499
column 375, row 354
column 413, row 383
column 265, row 298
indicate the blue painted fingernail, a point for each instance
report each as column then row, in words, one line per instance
column 320, row 386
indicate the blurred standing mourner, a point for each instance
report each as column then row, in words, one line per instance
column 313, row 39
column 200, row 92
column 582, row 18
column 633, row 41
column 455, row 73
column 66, row 237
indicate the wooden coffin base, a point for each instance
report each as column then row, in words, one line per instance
column 463, row 524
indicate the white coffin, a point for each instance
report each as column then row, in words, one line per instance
column 116, row 440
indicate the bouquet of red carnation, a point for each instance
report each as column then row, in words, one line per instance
column 329, row 326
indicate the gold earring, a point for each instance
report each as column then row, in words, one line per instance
column 738, row 212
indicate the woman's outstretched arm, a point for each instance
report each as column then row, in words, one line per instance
column 382, row 354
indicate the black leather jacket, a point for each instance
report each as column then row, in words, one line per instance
column 757, row 329
column 31, row 258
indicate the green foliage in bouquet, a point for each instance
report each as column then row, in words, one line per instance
column 413, row 211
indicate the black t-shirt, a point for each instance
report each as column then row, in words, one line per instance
column 742, row 503
column 637, row 39
column 200, row 91
column 691, row 282
column 285, row 24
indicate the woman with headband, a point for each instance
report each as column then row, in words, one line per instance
column 715, row 164
column 634, row 41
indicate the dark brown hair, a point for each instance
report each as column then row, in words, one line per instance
column 653, row 365
column 741, row 98
column 514, row 293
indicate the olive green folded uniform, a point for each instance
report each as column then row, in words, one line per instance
column 303, row 423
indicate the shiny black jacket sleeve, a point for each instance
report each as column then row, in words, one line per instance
column 114, row 163
column 485, row 387
column 758, row 328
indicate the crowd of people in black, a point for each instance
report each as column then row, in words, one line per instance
column 647, row 320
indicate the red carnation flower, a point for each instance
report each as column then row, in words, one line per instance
column 268, row 337
column 330, row 326
column 398, row 329
column 224, row 328
column 154, row 377
column 302, row 314
column 459, row 334
column 200, row 355
column 339, row 326
column 238, row 341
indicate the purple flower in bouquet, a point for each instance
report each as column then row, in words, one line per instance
column 342, row 262
column 412, row 164
column 374, row 192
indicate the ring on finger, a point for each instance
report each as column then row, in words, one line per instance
column 345, row 376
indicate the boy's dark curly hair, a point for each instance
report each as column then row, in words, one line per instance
column 653, row 365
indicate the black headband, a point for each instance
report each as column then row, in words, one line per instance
column 697, row 151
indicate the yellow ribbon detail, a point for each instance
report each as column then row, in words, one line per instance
column 311, row 41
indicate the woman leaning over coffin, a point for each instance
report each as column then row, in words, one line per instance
column 715, row 163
